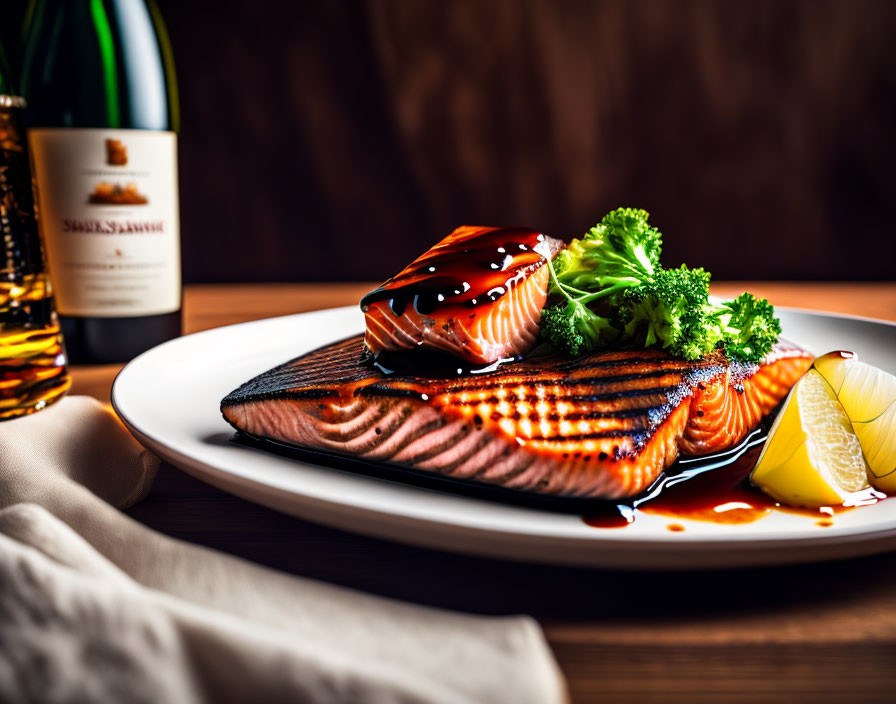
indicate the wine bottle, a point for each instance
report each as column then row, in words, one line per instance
column 102, row 116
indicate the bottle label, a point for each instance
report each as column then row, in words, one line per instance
column 109, row 216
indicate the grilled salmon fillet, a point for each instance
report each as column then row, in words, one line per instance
column 477, row 295
column 600, row 426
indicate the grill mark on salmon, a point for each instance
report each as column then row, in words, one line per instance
column 383, row 390
column 541, row 425
column 476, row 295
column 482, row 383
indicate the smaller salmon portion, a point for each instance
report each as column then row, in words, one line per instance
column 476, row 295
column 604, row 425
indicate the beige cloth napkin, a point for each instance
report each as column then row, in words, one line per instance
column 94, row 607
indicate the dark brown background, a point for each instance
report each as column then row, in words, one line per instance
column 338, row 139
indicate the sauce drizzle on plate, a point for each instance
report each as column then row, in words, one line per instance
column 717, row 489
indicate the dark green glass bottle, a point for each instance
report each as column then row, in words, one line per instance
column 103, row 119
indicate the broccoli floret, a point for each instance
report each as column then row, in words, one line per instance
column 748, row 327
column 626, row 229
column 673, row 311
column 670, row 310
column 575, row 329
column 609, row 286
column 620, row 252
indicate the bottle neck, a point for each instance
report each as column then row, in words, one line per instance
column 98, row 63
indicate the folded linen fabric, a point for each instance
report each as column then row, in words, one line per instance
column 94, row 607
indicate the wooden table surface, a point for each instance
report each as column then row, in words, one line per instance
column 825, row 632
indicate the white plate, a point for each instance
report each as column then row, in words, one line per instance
column 169, row 398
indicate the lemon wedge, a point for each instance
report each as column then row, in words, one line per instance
column 812, row 457
column 868, row 396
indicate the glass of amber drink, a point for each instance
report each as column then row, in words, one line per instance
column 33, row 372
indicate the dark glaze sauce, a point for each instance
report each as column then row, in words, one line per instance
column 464, row 271
column 717, row 489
